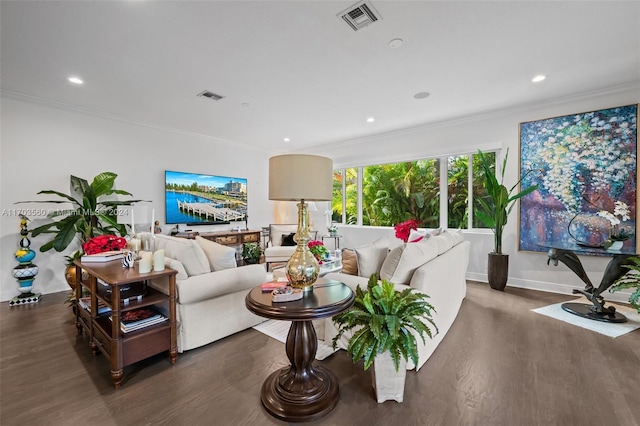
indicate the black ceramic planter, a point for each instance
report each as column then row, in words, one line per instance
column 498, row 270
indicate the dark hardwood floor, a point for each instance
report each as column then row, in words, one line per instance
column 500, row 364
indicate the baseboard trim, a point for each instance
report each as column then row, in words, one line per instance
column 621, row 296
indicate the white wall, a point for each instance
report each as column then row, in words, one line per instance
column 42, row 145
column 490, row 130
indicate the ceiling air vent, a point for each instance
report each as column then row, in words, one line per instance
column 360, row 15
column 210, row 95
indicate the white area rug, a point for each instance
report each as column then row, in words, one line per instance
column 606, row 328
column 279, row 330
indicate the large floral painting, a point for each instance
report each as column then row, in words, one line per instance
column 585, row 168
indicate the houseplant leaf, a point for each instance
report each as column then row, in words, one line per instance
column 382, row 319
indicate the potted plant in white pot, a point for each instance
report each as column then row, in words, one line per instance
column 495, row 213
column 382, row 320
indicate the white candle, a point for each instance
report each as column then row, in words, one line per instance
column 144, row 265
column 158, row 260
column 133, row 226
column 135, row 244
column 153, row 219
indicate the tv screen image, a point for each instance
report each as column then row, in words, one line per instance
column 199, row 199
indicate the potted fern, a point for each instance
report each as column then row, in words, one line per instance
column 384, row 323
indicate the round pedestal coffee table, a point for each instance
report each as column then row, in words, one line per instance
column 303, row 391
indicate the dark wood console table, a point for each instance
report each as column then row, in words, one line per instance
column 105, row 335
column 302, row 391
column 227, row 238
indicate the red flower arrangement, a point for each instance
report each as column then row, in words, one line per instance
column 103, row 243
column 318, row 249
column 404, row 229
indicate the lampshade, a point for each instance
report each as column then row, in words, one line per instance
column 295, row 177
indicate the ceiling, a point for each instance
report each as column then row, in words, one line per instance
column 294, row 69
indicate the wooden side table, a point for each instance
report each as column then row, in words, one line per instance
column 122, row 349
column 302, row 391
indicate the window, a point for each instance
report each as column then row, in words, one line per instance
column 458, row 191
column 479, row 191
column 395, row 192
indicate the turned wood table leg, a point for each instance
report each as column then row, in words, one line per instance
column 116, row 376
column 302, row 391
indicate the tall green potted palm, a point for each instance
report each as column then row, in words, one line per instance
column 382, row 319
column 494, row 213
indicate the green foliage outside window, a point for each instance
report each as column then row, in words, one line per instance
column 479, row 191
column 458, row 191
column 396, row 192
column 393, row 193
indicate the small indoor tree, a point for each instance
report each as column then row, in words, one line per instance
column 494, row 213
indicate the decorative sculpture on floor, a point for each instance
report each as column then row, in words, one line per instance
column 26, row 271
column 614, row 270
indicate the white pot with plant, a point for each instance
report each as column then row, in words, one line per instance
column 385, row 322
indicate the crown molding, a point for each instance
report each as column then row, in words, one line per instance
column 497, row 112
column 96, row 113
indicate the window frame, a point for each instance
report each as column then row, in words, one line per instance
column 444, row 187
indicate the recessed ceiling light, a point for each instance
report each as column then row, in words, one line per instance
column 370, row 120
column 421, row 95
column 538, row 78
column 75, row 80
column 395, row 43
column 286, row 140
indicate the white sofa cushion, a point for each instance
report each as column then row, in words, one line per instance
column 281, row 251
column 402, row 261
column 417, row 235
column 371, row 257
column 446, row 240
column 185, row 251
column 220, row 257
column 174, row 264
column 220, row 283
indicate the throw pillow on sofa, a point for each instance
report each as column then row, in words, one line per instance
column 447, row 239
column 402, row 261
column 371, row 257
column 185, row 251
column 416, row 235
column 349, row 262
column 174, row 264
column 220, row 257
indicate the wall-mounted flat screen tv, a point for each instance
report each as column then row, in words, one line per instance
column 199, row 199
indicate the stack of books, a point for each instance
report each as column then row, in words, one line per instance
column 273, row 285
column 106, row 256
column 85, row 303
column 140, row 318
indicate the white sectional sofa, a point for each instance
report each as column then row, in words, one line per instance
column 436, row 266
column 210, row 289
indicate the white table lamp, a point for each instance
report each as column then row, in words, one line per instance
column 299, row 177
